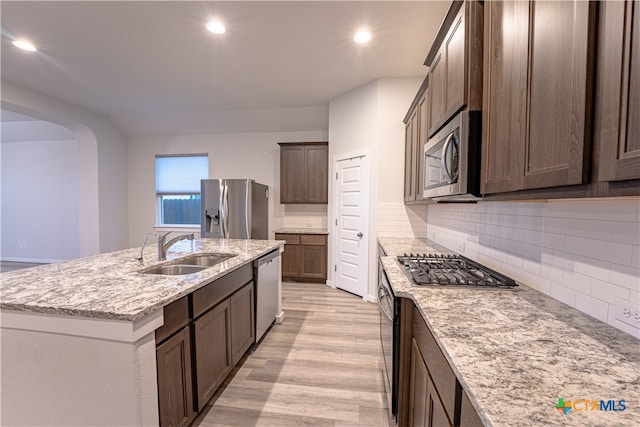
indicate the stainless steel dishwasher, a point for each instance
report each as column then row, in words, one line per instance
column 266, row 273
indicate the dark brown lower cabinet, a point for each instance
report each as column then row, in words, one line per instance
column 175, row 398
column 430, row 394
column 212, row 334
column 204, row 335
column 426, row 409
column 243, row 333
column 304, row 257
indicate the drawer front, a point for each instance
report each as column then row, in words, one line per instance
column 443, row 377
column 176, row 316
column 290, row 239
column 216, row 291
column 313, row 239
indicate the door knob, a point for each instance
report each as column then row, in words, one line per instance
column 359, row 234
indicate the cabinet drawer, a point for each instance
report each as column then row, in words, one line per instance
column 313, row 239
column 443, row 377
column 290, row 239
column 216, row 291
column 176, row 315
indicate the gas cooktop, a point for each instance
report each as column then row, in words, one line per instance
column 452, row 270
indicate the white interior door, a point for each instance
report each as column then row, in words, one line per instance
column 352, row 224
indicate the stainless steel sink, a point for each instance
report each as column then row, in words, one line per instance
column 173, row 270
column 188, row 265
column 207, row 260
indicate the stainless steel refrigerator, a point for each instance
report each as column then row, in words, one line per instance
column 234, row 209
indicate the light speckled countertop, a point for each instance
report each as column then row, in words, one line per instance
column 516, row 352
column 109, row 286
column 302, row 231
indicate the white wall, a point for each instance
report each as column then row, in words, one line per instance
column 585, row 253
column 40, row 201
column 102, row 167
column 370, row 118
column 243, row 155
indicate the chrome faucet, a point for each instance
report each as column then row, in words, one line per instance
column 163, row 245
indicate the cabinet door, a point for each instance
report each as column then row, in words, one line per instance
column 454, row 50
column 538, row 59
column 292, row 182
column 175, row 391
column 314, row 262
column 560, row 67
column 422, row 140
column 618, row 113
column 504, row 114
column 411, row 160
column 291, row 261
column 437, row 417
column 242, row 322
column 419, row 379
column 317, row 173
column 213, row 350
column 437, row 92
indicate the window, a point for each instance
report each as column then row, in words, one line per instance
column 178, row 188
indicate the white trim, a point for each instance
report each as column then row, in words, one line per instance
column 280, row 318
column 107, row 329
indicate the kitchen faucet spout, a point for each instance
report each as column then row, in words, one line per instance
column 164, row 245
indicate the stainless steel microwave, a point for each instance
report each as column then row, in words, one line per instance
column 452, row 160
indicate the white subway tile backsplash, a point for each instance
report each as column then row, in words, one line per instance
column 579, row 246
column 593, row 268
column 608, row 292
column 626, row 232
column 577, row 281
column 593, row 307
column 627, row 277
column 581, row 252
column 618, row 210
column 563, row 293
column 585, row 209
column 617, row 253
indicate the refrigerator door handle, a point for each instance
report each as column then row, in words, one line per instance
column 224, row 213
column 248, row 209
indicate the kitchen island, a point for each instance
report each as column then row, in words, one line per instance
column 78, row 344
column 515, row 353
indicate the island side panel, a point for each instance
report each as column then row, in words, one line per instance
column 66, row 380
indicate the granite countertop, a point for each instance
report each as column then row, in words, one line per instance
column 109, row 286
column 302, row 231
column 515, row 352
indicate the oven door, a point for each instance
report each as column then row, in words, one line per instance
column 388, row 323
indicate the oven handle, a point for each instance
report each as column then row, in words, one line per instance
column 381, row 296
column 445, row 148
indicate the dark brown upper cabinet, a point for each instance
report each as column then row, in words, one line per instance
column 538, row 68
column 618, row 93
column 455, row 64
column 304, row 172
column 415, row 138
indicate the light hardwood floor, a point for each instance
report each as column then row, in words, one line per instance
column 320, row 367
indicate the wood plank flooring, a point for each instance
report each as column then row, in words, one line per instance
column 320, row 367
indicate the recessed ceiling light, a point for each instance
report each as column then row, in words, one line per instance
column 362, row 36
column 24, row 45
column 216, row 27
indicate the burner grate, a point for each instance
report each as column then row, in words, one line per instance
column 454, row 270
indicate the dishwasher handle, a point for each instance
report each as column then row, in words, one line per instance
column 268, row 258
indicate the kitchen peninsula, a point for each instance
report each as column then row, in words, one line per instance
column 78, row 342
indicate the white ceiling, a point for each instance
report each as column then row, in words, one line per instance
column 153, row 68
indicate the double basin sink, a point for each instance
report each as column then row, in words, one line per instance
column 187, row 265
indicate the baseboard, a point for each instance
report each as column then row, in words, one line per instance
column 330, row 284
column 280, row 318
